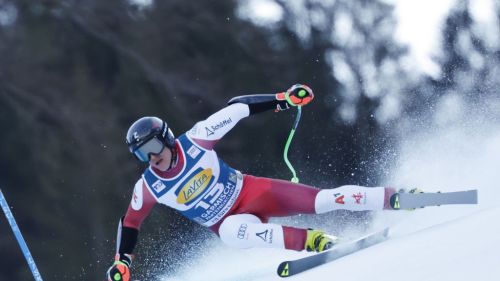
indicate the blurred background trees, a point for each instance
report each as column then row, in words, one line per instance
column 75, row 74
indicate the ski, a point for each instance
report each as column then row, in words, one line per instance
column 417, row 200
column 290, row 268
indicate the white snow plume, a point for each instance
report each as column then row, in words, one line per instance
column 460, row 154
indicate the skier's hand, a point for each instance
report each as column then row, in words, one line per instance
column 119, row 271
column 299, row 95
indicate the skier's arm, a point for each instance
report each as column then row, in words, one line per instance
column 297, row 95
column 128, row 229
column 140, row 207
column 208, row 132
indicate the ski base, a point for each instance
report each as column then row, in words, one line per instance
column 418, row 200
column 290, row 268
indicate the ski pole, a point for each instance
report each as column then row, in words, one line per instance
column 19, row 237
column 294, row 179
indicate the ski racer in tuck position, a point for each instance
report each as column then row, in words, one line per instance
column 186, row 174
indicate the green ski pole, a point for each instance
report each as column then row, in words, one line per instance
column 294, row 179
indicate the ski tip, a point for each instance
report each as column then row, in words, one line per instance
column 383, row 233
column 387, row 231
column 284, row 269
column 474, row 194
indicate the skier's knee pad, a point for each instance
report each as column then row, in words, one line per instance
column 233, row 230
column 247, row 231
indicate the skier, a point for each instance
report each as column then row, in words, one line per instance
column 186, row 174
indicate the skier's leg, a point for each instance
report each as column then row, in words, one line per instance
column 265, row 197
column 248, row 231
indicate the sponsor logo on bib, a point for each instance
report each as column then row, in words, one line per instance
column 194, row 186
column 193, row 151
column 158, row 186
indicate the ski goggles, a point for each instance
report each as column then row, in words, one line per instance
column 152, row 146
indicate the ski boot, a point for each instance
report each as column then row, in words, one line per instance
column 318, row 241
column 394, row 198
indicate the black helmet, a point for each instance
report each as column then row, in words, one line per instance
column 149, row 135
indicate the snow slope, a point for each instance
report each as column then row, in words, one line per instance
column 462, row 249
column 467, row 248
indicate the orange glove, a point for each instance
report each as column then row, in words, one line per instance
column 119, row 271
column 299, row 95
